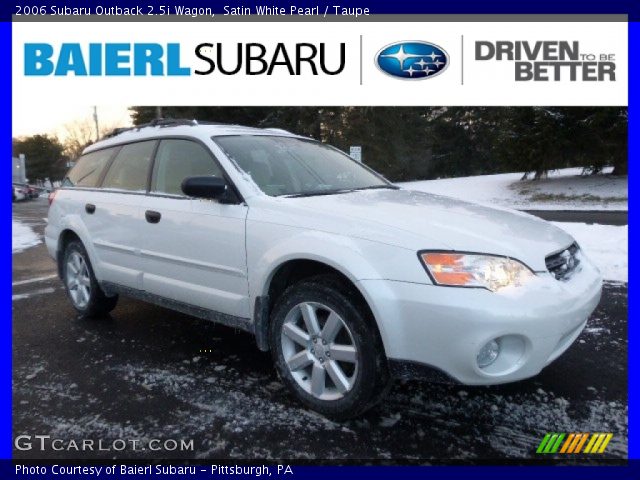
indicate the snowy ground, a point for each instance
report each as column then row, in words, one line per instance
column 605, row 245
column 22, row 236
column 565, row 189
column 141, row 373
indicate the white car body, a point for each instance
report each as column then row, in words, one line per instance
column 221, row 258
column 19, row 193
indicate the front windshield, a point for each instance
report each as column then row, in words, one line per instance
column 292, row 166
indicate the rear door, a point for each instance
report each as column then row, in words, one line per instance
column 76, row 200
column 193, row 250
column 116, row 218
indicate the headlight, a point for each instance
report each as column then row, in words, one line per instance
column 472, row 270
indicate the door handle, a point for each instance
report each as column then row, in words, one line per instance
column 152, row 216
column 90, row 208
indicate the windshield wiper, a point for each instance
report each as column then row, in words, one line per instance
column 316, row 193
column 374, row 187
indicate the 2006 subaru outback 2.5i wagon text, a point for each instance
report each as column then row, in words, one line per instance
column 347, row 279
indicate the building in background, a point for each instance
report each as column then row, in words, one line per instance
column 19, row 172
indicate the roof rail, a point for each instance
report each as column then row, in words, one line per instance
column 115, row 131
column 277, row 130
column 158, row 122
column 173, row 122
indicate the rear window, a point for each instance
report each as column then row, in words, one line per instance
column 88, row 169
column 130, row 169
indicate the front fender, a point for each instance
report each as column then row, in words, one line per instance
column 341, row 253
column 268, row 248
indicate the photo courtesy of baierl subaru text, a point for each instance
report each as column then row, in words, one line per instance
column 252, row 240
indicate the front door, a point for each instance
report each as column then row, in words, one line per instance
column 192, row 250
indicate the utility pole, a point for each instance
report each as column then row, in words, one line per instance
column 95, row 119
column 158, row 113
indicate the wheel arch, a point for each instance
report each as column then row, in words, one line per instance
column 66, row 236
column 73, row 231
column 293, row 270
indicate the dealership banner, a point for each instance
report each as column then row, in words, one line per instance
column 373, row 62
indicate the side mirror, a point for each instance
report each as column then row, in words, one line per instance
column 204, row 187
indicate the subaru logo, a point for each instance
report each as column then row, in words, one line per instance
column 414, row 60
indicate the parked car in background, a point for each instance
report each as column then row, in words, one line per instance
column 27, row 192
column 347, row 279
column 34, row 192
column 20, row 192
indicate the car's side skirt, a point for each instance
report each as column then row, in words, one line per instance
column 217, row 317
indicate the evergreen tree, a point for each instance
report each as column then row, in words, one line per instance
column 44, row 157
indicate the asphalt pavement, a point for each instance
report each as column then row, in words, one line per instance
column 602, row 217
column 146, row 373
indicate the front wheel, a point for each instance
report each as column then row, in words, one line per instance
column 81, row 284
column 326, row 349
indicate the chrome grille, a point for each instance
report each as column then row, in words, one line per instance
column 562, row 264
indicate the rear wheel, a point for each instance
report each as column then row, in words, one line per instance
column 326, row 349
column 82, row 287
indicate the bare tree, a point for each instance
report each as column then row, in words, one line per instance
column 80, row 134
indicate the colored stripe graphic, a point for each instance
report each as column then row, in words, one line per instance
column 606, row 441
column 596, row 446
column 591, row 443
column 582, row 442
column 572, row 443
column 550, row 443
column 543, row 443
column 556, row 446
column 568, row 443
column 598, row 443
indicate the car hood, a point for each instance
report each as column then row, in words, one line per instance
column 422, row 221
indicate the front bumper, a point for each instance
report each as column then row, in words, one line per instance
column 445, row 327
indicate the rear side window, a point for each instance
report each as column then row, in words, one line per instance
column 177, row 160
column 88, row 169
column 130, row 169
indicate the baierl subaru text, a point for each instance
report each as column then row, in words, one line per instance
column 347, row 279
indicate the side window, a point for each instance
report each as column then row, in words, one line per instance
column 177, row 160
column 88, row 169
column 130, row 168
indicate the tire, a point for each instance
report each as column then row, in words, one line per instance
column 355, row 369
column 82, row 288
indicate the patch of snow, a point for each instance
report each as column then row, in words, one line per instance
column 606, row 246
column 24, row 296
column 387, row 422
column 34, row 280
column 596, row 330
column 22, row 237
column 564, row 189
column 36, row 371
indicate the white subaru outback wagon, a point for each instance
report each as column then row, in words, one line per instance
column 347, row 279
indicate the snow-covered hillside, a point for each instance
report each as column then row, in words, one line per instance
column 565, row 189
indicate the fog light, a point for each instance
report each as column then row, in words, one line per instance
column 488, row 354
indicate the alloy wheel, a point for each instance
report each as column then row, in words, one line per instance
column 78, row 280
column 319, row 350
